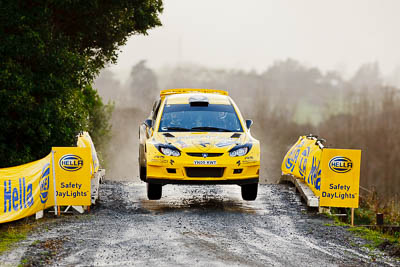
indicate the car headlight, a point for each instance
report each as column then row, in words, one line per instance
column 240, row 150
column 168, row 150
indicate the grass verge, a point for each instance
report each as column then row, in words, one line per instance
column 378, row 240
column 13, row 232
column 387, row 242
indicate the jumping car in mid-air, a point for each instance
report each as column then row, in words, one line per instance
column 197, row 136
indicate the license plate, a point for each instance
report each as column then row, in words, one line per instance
column 205, row 162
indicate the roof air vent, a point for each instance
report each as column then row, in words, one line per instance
column 198, row 101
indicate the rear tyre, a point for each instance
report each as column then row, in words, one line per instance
column 154, row 191
column 249, row 191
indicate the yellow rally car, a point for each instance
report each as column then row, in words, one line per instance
column 198, row 136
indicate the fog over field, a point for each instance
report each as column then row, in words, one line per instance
column 330, row 68
column 338, row 35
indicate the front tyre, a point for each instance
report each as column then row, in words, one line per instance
column 249, row 191
column 154, row 191
column 142, row 173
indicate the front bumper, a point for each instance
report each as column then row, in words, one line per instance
column 182, row 170
column 196, row 182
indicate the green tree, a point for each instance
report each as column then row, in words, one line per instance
column 50, row 52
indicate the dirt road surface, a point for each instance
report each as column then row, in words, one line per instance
column 194, row 225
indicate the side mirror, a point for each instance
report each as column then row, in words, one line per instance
column 148, row 123
column 249, row 123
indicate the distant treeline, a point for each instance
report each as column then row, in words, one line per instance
column 289, row 100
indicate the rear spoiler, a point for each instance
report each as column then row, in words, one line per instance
column 164, row 93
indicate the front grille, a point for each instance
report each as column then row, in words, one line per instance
column 204, row 171
column 205, row 154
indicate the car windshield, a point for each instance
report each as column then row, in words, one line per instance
column 211, row 118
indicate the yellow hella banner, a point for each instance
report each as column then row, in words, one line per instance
column 84, row 140
column 25, row 189
column 72, row 169
column 341, row 178
column 303, row 161
column 29, row 188
column 332, row 174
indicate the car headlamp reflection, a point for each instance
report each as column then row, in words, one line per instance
column 240, row 150
column 168, row 150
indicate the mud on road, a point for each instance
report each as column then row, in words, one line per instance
column 194, row 225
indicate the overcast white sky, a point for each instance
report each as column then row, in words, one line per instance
column 252, row 34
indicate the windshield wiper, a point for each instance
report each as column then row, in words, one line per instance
column 177, row 129
column 206, row 128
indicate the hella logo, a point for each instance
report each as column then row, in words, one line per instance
column 71, row 163
column 44, row 183
column 340, row 164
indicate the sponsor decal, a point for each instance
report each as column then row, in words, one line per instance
column 159, row 160
column 314, row 177
column 205, row 137
column 225, row 143
column 303, row 162
column 71, row 163
column 17, row 197
column 181, row 143
column 249, row 161
column 340, row 164
column 44, row 183
column 203, row 145
column 293, row 156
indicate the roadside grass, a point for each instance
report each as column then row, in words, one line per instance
column 10, row 237
column 372, row 203
column 377, row 238
column 23, row 262
column 364, row 217
column 13, row 232
column 336, row 220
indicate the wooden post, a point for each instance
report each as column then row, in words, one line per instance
column 379, row 219
column 54, row 184
column 352, row 216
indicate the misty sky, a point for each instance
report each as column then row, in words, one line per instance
column 335, row 34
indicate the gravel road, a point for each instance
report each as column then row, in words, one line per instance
column 194, row 225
